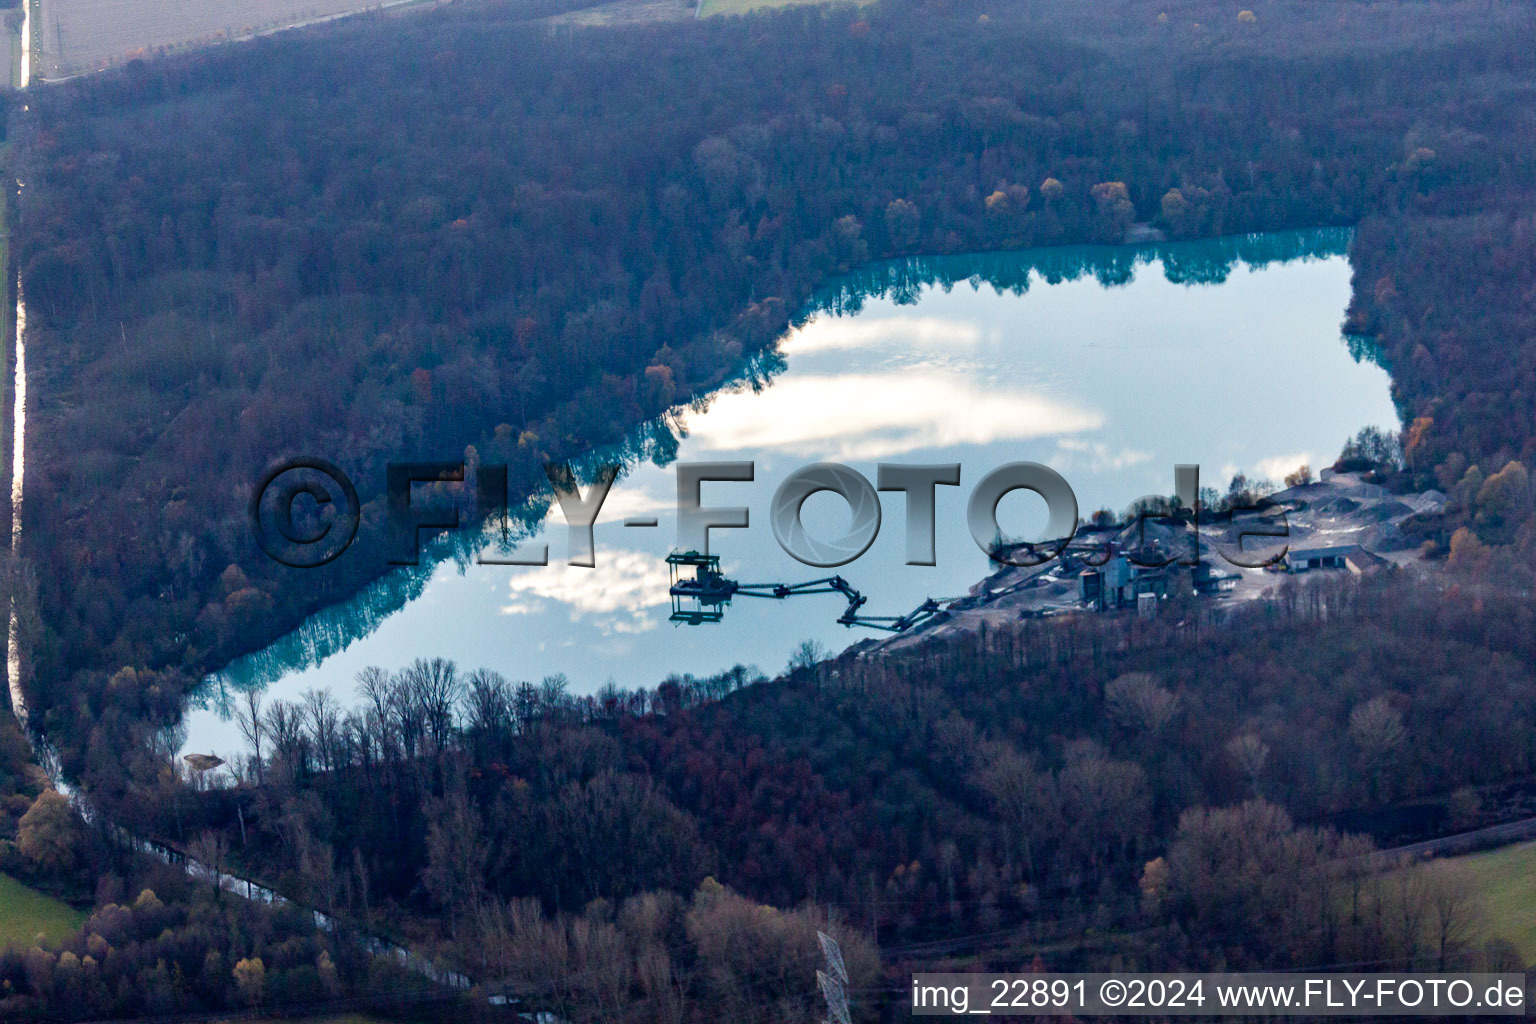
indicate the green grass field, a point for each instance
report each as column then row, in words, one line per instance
column 1506, row 878
column 24, row 913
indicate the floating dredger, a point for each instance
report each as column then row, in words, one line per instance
column 702, row 596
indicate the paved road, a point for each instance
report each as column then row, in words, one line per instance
column 1466, row 842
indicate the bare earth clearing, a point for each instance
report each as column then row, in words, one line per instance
column 1342, row 511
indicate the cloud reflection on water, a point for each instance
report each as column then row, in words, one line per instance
column 621, row 598
column 883, row 414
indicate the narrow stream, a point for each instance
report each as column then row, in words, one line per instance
column 18, row 468
column 228, row 882
column 19, row 418
column 25, row 75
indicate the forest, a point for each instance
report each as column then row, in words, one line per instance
column 405, row 239
column 1203, row 790
column 280, row 248
column 1207, row 789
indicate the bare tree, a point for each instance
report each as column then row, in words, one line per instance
column 407, row 713
column 433, row 686
column 757, row 961
column 1019, row 791
column 1355, row 867
column 525, row 705
column 48, row 834
column 1408, row 907
column 166, row 743
column 1251, row 755
column 1136, row 701
column 457, row 855
column 248, row 717
column 806, row 655
column 489, row 711
column 554, row 694
column 324, row 718
column 601, row 965
column 373, row 687
column 1377, row 729
column 660, row 982
column 211, row 849
column 1104, row 803
column 290, row 743
column 1455, row 913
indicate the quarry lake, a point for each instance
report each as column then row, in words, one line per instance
column 1109, row 364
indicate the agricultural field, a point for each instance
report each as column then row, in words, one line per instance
column 708, row 8
column 85, row 35
column 26, row 913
